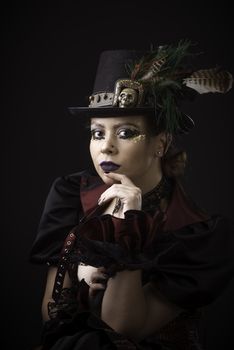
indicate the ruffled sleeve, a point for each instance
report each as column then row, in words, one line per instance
column 191, row 265
column 117, row 243
column 60, row 214
column 195, row 263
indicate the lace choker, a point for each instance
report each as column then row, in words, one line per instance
column 151, row 199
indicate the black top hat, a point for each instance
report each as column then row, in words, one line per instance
column 130, row 82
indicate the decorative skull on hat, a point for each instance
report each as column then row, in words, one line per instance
column 130, row 82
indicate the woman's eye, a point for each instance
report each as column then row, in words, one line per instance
column 128, row 133
column 97, row 134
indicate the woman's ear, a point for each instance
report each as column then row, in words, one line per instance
column 163, row 142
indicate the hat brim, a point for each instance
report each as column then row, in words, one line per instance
column 108, row 111
column 185, row 125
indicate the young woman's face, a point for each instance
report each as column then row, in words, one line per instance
column 123, row 145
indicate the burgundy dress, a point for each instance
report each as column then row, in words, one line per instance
column 187, row 254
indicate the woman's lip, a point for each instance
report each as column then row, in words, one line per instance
column 109, row 166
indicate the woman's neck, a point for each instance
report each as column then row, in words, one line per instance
column 151, row 179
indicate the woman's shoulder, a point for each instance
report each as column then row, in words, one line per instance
column 61, row 213
column 68, row 183
column 71, row 179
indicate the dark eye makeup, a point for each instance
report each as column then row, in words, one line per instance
column 97, row 134
column 122, row 133
column 127, row 133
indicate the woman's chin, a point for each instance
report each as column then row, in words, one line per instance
column 108, row 181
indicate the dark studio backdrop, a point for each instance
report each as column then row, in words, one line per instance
column 50, row 58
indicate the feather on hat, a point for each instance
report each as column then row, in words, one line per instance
column 130, row 83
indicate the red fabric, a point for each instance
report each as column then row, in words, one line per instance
column 89, row 197
column 180, row 211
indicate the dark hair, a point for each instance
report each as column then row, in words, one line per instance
column 174, row 161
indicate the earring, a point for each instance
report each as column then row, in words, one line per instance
column 158, row 154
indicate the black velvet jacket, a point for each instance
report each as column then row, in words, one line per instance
column 190, row 254
column 185, row 252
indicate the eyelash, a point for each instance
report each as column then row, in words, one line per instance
column 129, row 133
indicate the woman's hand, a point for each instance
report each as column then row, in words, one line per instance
column 98, row 281
column 128, row 196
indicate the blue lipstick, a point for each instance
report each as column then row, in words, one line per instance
column 109, row 166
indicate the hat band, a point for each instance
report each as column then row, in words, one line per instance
column 127, row 94
column 101, row 99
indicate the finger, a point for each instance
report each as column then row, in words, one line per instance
column 98, row 278
column 98, row 275
column 102, row 269
column 119, row 191
column 96, row 287
column 123, row 179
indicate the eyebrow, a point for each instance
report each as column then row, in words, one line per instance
column 116, row 125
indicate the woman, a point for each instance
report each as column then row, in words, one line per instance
column 132, row 258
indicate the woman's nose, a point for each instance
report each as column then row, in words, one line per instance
column 108, row 146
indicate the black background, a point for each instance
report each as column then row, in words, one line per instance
column 50, row 57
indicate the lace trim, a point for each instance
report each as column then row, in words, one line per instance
column 65, row 306
column 182, row 332
column 151, row 200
